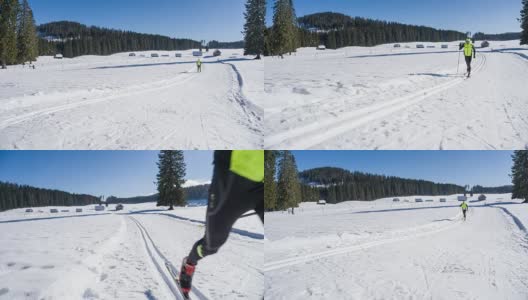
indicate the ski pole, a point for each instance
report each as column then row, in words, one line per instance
column 458, row 65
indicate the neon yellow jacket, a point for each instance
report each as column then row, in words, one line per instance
column 468, row 49
column 248, row 164
column 464, row 206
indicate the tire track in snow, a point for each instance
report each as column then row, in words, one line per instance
column 363, row 246
column 317, row 133
column 159, row 260
column 47, row 111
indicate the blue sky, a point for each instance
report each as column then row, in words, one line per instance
column 118, row 173
column 199, row 20
column 490, row 16
column 487, row 168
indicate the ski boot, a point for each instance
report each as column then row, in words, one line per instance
column 186, row 276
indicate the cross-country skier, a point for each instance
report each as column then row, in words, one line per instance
column 469, row 53
column 465, row 208
column 199, row 65
column 237, row 187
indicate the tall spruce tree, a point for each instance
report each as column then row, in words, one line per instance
column 289, row 187
column 8, row 34
column 254, row 28
column 27, row 34
column 171, row 177
column 285, row 31
column 520, row 175
column 270, row 185
column 524, row 23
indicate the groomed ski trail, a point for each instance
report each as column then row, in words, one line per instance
column 159, row 261
column 206, row 111
column 311, row 135
column 406, row 235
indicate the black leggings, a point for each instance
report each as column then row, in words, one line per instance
column 468, row 63
column 230, row 197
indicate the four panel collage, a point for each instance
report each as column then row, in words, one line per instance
column 263, row 149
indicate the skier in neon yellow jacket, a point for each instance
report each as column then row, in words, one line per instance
column 465, row 208
column 469, row 53
column 237, row 187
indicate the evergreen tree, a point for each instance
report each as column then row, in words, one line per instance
column 285, row 30
column 524, row 23
column 520, row 175
column 270, row 185
column 254, row 28
column 27, row 34
column 289, row 188
column 8, row 38
column 171, row 177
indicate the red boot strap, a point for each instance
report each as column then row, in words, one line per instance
column 189, row 269
column 186, row 291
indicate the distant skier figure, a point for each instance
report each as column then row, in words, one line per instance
column 237, row 187
column 465, row 208
column 469, row 53
column 199, row 65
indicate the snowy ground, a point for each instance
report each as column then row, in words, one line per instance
column 122, row 102
column 386, row 250
column 397, row 98
column 121, row 255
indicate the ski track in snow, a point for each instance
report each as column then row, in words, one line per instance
column 407, row 235
column 325, row 130
column 481, row 258
column 392, row 100
column 159, row 260
column 189, row 110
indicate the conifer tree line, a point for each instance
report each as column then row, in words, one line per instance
column 171, row 178
column 74, row 39
column 285, row 187
column 336, row 185
column 520, row 175
column 508, row 36
column 335, row 30
column 524, row 23
column 21, row 196
column 492, row 190
column 18, row 37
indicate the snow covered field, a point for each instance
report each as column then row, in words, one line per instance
column 405, row 250
column 122, row 102
column 397, row 98
column 121, row 255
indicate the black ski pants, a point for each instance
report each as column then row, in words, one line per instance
column 230, row 197
column 468, row 63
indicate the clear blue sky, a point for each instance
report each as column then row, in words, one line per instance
column 199, row 20
column 487, row 168
column 118, row 173
column 489, row 16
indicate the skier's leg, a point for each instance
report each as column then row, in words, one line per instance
column 230, row 196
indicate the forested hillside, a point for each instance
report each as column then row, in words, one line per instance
column 509, row 36
column 198, row 192
column 337, row 30
column 492, row 190
column 336, row 185
column 18, row 196
column 74, row 39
